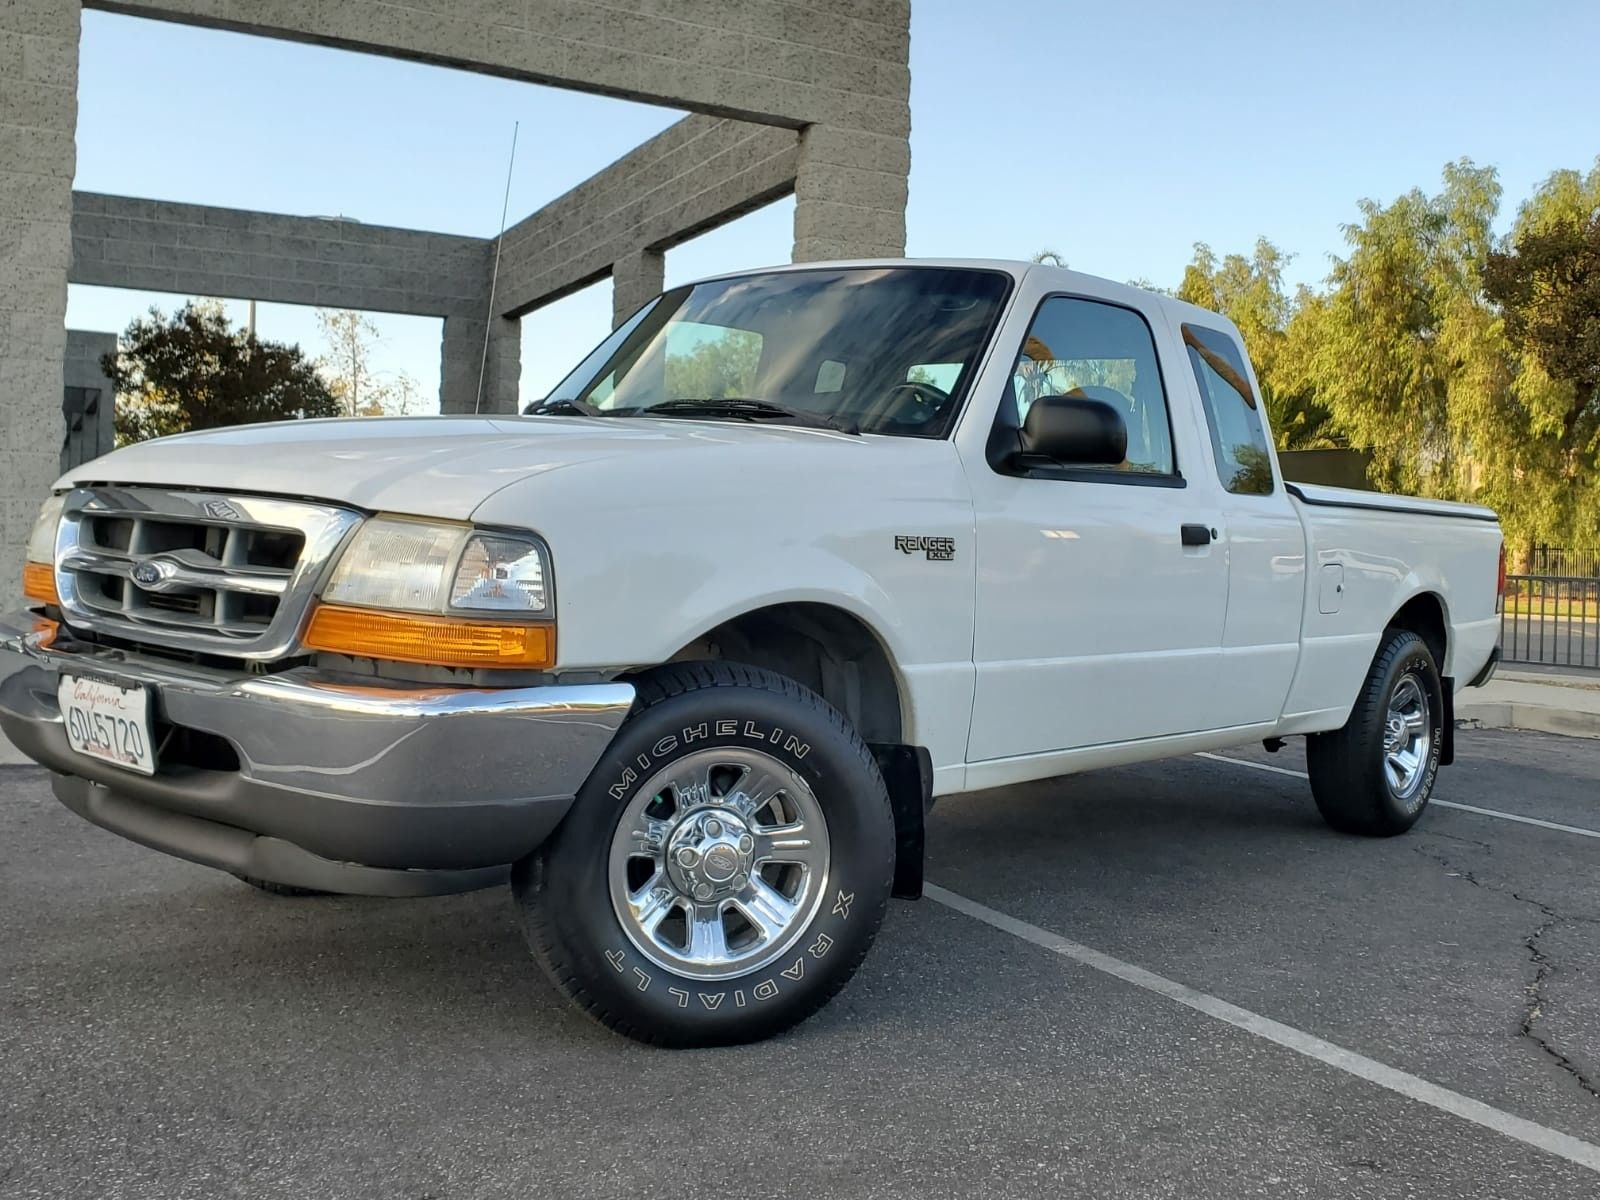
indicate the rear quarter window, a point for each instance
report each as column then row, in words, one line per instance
column 1233, row 411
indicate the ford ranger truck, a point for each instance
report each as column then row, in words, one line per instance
column 686, row 650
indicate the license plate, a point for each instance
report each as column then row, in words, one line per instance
column 109, row 720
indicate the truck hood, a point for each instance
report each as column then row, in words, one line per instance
column 425, row 466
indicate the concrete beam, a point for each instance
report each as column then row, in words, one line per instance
column 197, row 249
column 700, row 173
column 781, row 62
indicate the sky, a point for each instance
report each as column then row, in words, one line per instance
column 1115, row 134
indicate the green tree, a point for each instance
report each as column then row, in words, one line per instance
column 1546, row 281
column 194, row 371
column 361, row 389
column 1404, row 351
column 715, row 368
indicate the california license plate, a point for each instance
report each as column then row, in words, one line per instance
column 109, row 720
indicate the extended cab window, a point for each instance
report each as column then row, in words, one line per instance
column 1238, row 439
column 1085, row 349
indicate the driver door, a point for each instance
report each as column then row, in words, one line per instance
column 1099, row 620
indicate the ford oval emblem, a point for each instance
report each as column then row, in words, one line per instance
column 146, row 573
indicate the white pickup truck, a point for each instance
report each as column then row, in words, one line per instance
column 687, row 649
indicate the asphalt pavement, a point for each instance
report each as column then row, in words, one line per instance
column 168, row 1032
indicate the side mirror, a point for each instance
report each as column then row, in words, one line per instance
column 1071, row 429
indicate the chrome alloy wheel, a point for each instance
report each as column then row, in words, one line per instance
column 719, row 863
column 1407, row 738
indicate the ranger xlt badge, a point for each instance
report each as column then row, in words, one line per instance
column 938, row 549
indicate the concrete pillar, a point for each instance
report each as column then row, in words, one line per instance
column 461, row 357
column 38, row 116
column 636, row 278
column 850, row 194
column 97, row 434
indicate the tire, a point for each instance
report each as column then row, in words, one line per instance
column 706, row 742
column 1358, row 787
column 279, row 889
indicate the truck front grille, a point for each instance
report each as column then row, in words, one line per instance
column 196, row 571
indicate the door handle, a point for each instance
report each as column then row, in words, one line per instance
column 1197, row 535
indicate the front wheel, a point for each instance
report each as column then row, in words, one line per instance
column 1375, row 775
column 724, row 869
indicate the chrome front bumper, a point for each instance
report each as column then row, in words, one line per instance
column 377, row 788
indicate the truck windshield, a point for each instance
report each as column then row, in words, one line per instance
column 887, row 350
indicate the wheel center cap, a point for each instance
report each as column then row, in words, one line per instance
column 1397, row 733
column 720, row 864
column 710, row 854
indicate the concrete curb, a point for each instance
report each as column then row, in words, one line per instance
column 1540, row 718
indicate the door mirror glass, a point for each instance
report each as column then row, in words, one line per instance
column 1074, row 429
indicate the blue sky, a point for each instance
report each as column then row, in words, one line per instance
column 1117, row 134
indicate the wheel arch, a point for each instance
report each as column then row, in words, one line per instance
column 826, row 648
column 1425, row 615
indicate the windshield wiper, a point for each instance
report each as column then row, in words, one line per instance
column 744, row 409
column 563, row 406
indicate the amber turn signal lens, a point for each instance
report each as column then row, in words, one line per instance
column 39, row 583
column 420, row 638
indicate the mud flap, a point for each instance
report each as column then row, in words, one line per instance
column 1447, row 752
column 908, row 774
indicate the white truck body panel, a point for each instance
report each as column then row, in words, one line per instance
column 1071, row 628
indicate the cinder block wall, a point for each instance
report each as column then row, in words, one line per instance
column 38, row 115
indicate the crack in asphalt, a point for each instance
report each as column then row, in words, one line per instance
column 1543, row 967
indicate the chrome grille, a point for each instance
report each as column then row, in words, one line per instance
column 222, row 574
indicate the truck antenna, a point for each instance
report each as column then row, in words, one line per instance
column 494, row 276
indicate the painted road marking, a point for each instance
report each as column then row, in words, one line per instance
column 1471, row 808
column 1413, row 1087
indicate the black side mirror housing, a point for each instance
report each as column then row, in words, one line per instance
column 1073, row 429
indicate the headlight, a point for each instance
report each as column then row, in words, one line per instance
column 42, row 541
column 501, row 574
column 39, row 569
column 396, row 564
column 448, row 595
column 418, row 566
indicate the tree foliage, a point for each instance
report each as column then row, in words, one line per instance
column 194, row 371
column 714, row 368
column 361, row 390
column 1467, row 366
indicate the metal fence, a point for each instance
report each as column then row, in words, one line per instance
column 1551, row 619
column 1557, row 560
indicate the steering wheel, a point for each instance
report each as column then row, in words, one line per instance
column 929, row 401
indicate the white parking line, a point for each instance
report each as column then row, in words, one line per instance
column 1471, row 808
column 1552, row 1141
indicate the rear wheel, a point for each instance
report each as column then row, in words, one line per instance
column 1375, row 775
column 723, row 870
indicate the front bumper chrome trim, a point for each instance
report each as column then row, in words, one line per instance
column 396, row 777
